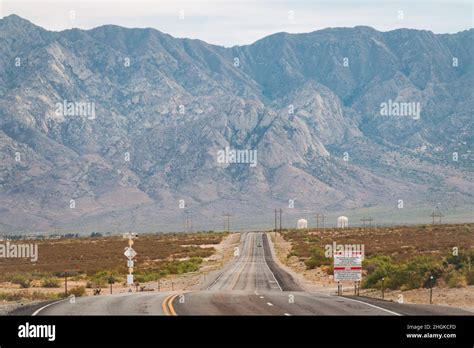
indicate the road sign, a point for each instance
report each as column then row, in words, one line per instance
column 130, row 263
column 129, row 279
column 347, row 265
column 130, row 253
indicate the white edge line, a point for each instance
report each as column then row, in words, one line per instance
column 371, row 305
column 49, row 304
column 264, row 260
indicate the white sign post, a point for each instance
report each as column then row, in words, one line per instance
column 129, row 279
column 348, row 265
column 130, row 254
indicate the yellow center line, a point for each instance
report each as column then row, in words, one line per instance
column 167, row 305
column 164, row 305
column 170, row 304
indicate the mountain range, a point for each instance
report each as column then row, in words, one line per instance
column 116, row 129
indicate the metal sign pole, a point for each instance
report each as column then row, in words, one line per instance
column 130, row 254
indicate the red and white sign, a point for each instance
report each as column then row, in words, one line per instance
column 347, row 266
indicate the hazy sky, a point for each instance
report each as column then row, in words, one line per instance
column 242, row 22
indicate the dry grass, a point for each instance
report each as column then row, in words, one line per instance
column 91, row 255
column 407, row 257
column 399, row 242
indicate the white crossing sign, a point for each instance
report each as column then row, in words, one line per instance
column 130, row 253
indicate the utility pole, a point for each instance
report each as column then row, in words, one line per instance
column 280, row 219
column 275, row 221
column 227, row 216
column 367, row 219
column 320, row 216
column 278, row 227
column 436, row 215
column 188, row 222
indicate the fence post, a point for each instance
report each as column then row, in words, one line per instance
column 431, row 289
column 383, row 288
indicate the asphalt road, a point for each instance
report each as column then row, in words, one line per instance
column 251, row 284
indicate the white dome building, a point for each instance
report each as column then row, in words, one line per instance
column 302, row 223
column 342, row 222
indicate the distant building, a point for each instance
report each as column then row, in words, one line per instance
column 302, row 223
column 342, row 222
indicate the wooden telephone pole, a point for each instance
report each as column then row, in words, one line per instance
column 227, row 219
column 278, row 228
column 320, row 216
column 188, row 223
column 436, row 215
column 367, row 219
column 281, row 211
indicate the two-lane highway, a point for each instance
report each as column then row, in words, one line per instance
column 250, row 271
column 251, row 284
